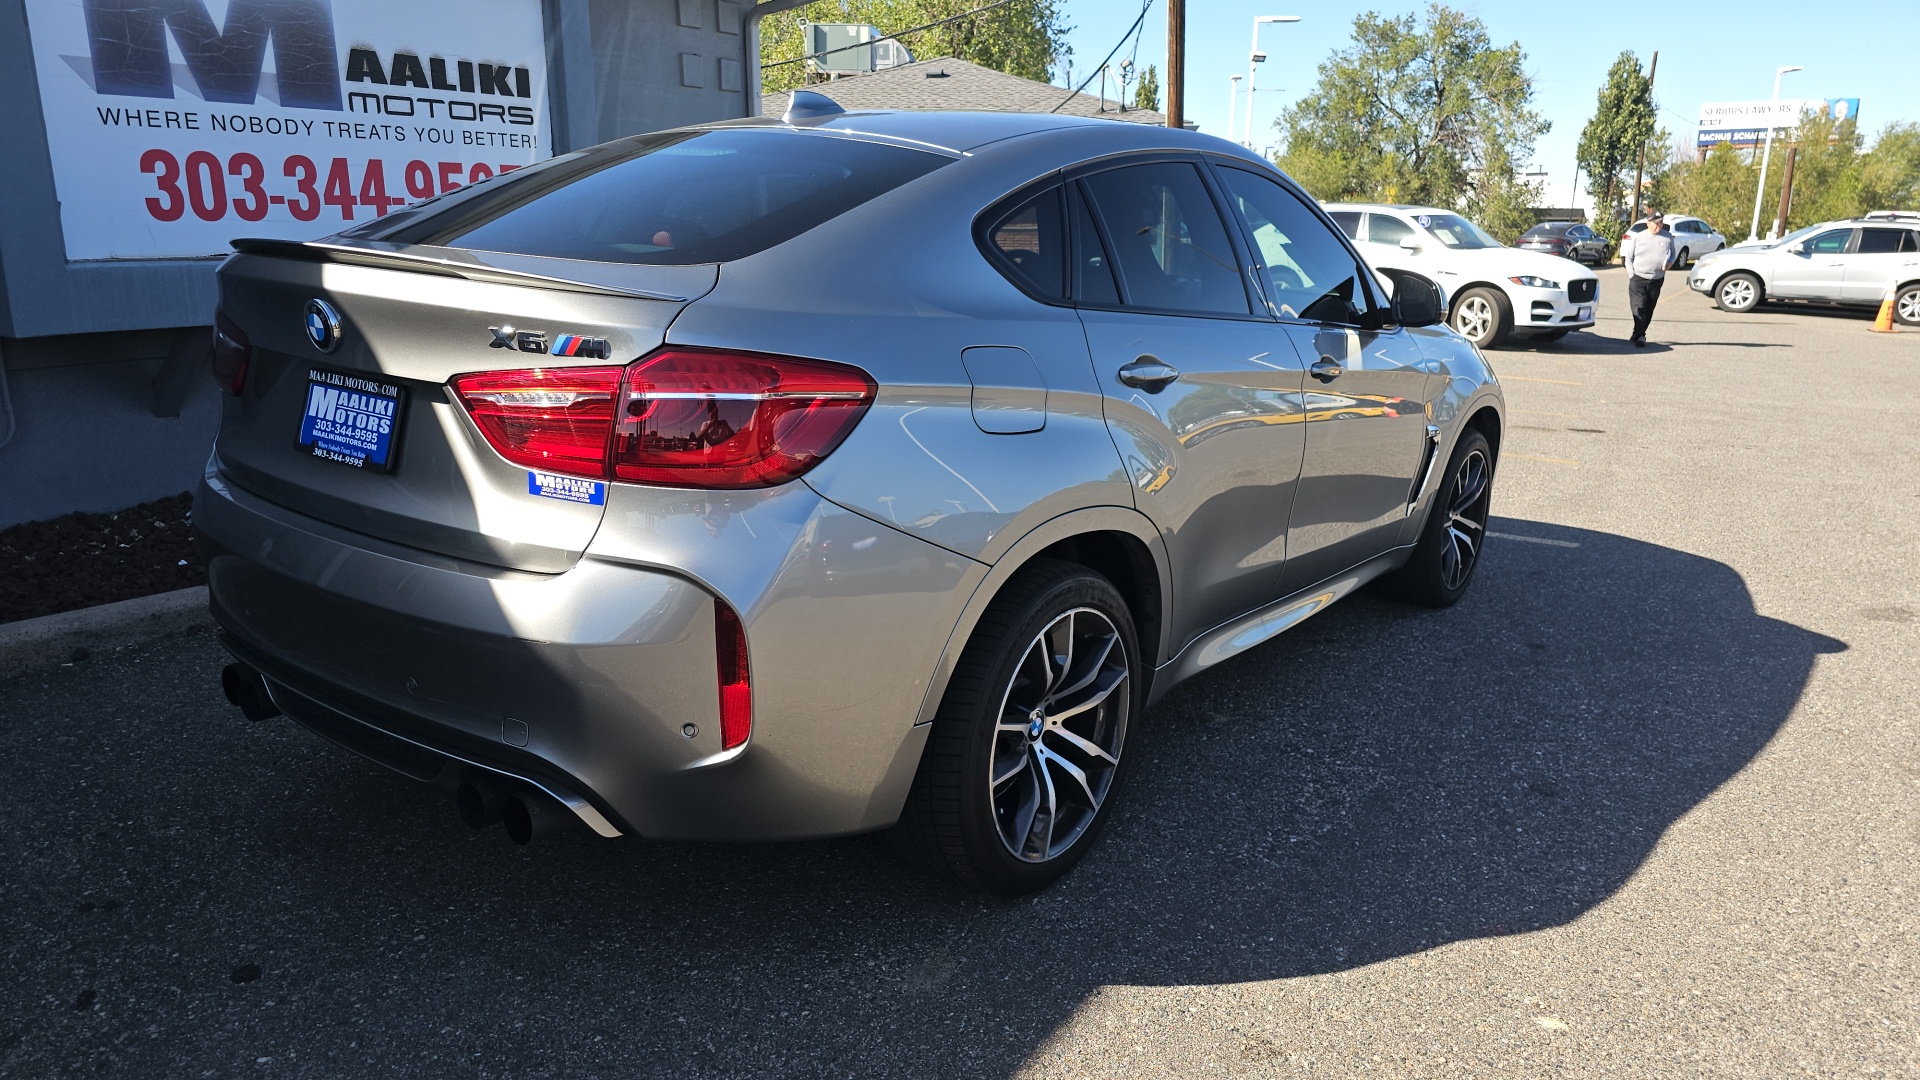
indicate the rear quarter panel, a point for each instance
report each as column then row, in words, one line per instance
column 899, row 288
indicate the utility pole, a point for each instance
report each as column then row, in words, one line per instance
column 1786, row 193
column 1652, row 70
column 1176, row 63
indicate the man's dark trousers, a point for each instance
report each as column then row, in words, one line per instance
column 1642, row 294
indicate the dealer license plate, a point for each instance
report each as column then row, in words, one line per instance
column 351, row 419
column 1585, row 312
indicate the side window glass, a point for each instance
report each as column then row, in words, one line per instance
column 1029, row 243
column 1830, row 243
column 1382, row 229
column 1169, row 241
column 1578, row 232
column 1881, row 241
column 1910, row 243
column 1349, row 222
column 1310, row 274
column 1093, row 271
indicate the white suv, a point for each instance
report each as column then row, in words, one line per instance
column 1850, row 263
column 1492, row 291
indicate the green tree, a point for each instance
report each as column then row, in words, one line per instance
column 1502, row 201
column 1024, row 37
column 1718, row 190
column 1415, row 111
column 1826, row 173
column 1146, row 95
column 1610, row 144
column 1890, row 172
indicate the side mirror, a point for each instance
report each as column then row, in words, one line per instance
column 1416, row 300
column 1796, row 248
column 1411, row 243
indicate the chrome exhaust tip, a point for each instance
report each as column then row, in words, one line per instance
column 247, row 689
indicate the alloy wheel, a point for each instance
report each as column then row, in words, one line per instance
column 1058, row 735
column 1737, row 294
column 1467, row 506
column 1475, row 318
column 1908, row 306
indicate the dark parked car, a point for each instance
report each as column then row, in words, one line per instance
column 1567, row 239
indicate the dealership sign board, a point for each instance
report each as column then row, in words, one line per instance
column 1745, row 123
column 176, row 125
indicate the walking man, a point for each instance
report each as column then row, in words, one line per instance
column 1646, row 256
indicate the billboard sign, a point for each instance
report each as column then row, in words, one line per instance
column 1745, row 123
column 176, row 125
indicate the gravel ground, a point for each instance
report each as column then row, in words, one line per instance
column 79, row 560
column 1645, row 804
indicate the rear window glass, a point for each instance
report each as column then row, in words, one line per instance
column 1029, row 243
column 675, row 198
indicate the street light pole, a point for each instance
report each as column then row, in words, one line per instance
column 1233, row 102
column 1760, row 190
column 1254, row 56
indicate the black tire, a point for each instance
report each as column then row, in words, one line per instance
column 1429, row 578
column 956, row 816
column 1906, row 305
column 1739, row 292
column 1488, row 331
column 1680, row 260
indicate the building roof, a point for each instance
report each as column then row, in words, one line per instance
column 947, row 83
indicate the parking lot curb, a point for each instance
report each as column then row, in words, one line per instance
column 69, row 636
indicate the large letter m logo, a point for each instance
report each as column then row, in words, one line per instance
column 129, row 40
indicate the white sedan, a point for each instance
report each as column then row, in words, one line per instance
column 1493, row 291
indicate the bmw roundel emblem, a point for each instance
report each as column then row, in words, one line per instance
column 323, row 325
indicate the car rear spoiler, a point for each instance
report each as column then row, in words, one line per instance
column 444, row 262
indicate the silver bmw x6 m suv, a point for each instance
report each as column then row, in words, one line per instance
column 804, row 477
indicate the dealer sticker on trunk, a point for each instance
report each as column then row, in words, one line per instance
column 351, row 419
column 566, row 488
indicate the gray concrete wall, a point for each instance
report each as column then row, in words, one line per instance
column 665, row 63
column 86, row 437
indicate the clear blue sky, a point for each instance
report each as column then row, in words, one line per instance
column 1707, row 53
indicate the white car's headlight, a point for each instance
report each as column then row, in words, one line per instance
column 1532, row 282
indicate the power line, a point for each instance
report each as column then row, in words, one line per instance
column 1101, row 66
column 888, row 37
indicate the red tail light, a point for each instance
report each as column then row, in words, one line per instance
column 230, row 352
column 698, row 418
column 736, row 687
column 552, row 419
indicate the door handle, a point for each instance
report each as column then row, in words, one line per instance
column 1326, row 369
column 1149, row 373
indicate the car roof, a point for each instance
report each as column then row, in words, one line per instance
column 964, row 132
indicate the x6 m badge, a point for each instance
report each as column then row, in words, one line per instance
column 535, row 341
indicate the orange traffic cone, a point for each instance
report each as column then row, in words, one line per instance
column 1883, row 322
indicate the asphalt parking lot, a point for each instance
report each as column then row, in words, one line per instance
column 1647, row 803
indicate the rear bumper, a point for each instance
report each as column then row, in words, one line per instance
column 583, row 683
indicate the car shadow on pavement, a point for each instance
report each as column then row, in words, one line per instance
column 1380, row 781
